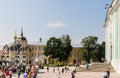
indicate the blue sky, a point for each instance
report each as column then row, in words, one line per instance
column 48, row 18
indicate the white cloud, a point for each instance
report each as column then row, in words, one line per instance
column 55, row 24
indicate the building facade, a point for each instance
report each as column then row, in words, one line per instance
column 74, row 56
column 20, row 52
column 112, row 34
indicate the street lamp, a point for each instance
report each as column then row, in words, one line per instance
column 37, row 52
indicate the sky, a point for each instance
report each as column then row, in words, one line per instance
column 52, row 18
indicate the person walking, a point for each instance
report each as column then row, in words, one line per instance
column 25, row 75
column 87, row 66
column 19, row 73
column 10, row 72
column 108, row 73
column 3, row 75
column 72, row 75
column 47, row 68
column 62, row 70
column 29, row 75
column 53, row 69
column 105, row 74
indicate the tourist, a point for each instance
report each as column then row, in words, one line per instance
column 7, row 73
column 29, row 75
column 86, row 66
column 62, row 70
column 108, row 72
column 25, row 75
column 3, row 75
column 72, row 75
column 53, row 69
column 35, row 74
column 47, row 68
column 105, row 74
column 10, row 72
column 19, row 73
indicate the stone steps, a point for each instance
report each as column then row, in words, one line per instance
column 96, row 67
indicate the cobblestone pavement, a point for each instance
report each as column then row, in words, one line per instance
column 44, row 74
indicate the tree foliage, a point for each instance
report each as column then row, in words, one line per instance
column 59, row 48
column 53, row 47
column 91, row 50
column 66, row 48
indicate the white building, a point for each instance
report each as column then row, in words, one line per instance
column 112, row 34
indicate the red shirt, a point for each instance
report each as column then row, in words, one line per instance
column 7, row 73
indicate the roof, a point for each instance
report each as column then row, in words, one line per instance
column 14, row 44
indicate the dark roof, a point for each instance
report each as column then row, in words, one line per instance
column 14, row 45
column 21, row 38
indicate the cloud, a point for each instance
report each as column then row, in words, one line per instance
column 55, row 24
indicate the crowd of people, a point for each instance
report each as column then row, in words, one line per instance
column 28, row 71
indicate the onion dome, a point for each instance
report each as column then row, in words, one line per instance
column 22, row 38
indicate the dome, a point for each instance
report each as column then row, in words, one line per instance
column 14, row 45
column 22, row 38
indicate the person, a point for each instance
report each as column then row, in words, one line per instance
column 29, row 75
column 53, row 69
column 73, row 75
column 87, row 66
column 62, row 70
column 108, row 72
column 3, row 75
column 35, row 74
column 7, row 73
column 10, row 72
column 19, row 72
column 105, row 74
column 25, row 75
column 47, row 68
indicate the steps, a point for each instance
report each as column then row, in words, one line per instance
column 96, row 67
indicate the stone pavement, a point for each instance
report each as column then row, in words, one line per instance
column 44, row 74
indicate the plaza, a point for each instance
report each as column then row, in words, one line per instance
column 44, row 74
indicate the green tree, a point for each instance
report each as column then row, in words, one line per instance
column 53, row 47
column 89, row 45
column 66, row 48
column 101, row 51
column 59, row 48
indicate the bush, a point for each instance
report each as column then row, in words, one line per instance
column 58, row 64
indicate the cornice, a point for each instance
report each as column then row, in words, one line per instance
column 111, row 11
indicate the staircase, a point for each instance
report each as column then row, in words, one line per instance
column 96, row 67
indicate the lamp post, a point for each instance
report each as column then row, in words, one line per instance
column 37, row 52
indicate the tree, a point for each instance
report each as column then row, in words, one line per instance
column 66, row 48
column 59, row 48
column 101, row 51
column 89, row 48
column 53, row 47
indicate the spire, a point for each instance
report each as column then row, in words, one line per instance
column 15, row 37
column 21, row 32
